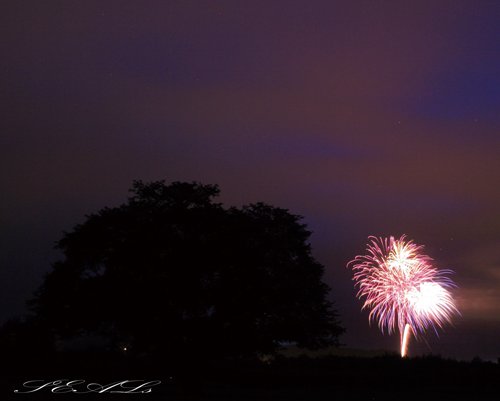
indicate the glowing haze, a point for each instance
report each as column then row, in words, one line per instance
column 402, row 288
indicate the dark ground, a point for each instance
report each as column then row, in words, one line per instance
column 302, row 378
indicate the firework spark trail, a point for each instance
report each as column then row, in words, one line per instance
column 405, row 339
column 402, row 288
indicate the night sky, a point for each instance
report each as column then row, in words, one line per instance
column 365, row 117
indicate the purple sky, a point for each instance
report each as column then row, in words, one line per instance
column 364, row 117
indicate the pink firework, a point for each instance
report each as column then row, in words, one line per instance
column 402, row 288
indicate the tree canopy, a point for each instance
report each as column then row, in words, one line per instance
column 172, row 270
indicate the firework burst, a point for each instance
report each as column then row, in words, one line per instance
column 402, row 289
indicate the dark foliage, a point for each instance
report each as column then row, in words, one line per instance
column 172, row 272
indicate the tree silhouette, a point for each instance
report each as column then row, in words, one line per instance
column 172, row 271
